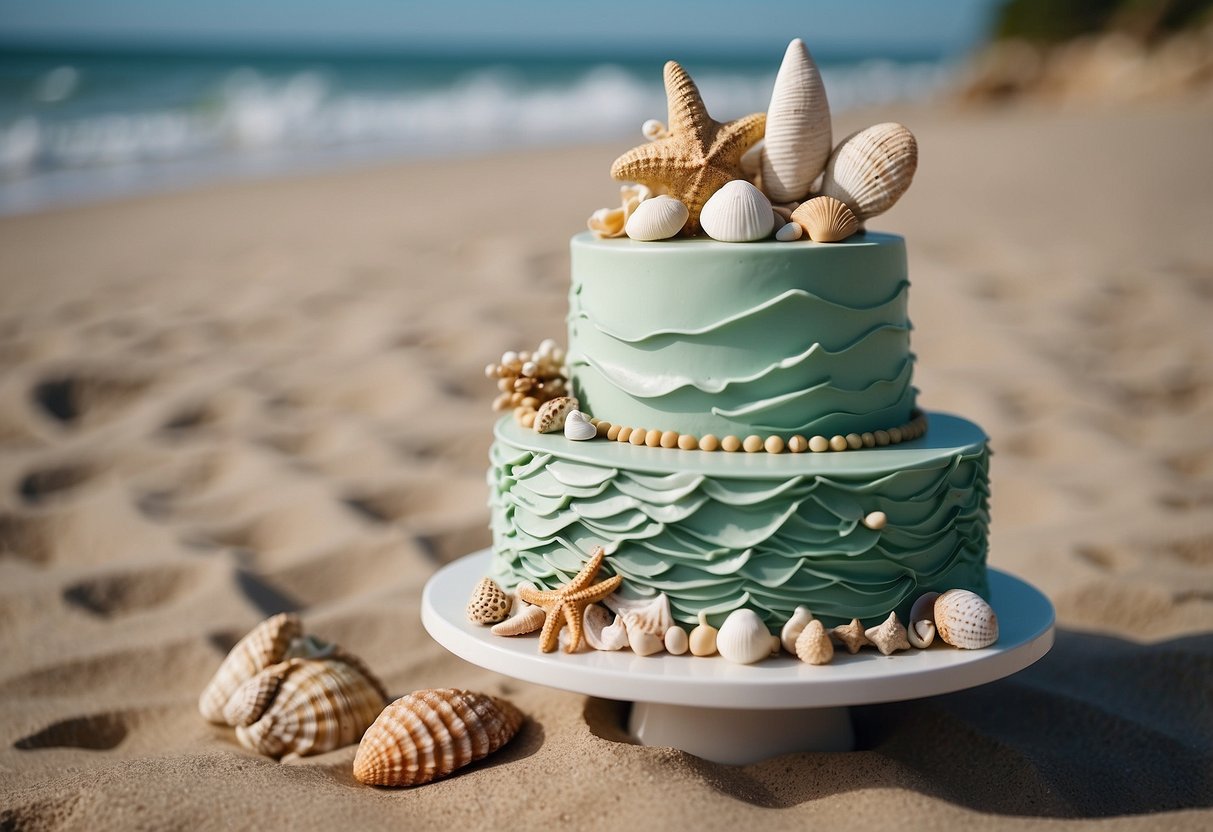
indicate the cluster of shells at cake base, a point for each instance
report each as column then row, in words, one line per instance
column 528, row 378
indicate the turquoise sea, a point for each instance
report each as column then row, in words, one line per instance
column 84, row 124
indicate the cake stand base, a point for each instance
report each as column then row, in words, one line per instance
column 740, row 714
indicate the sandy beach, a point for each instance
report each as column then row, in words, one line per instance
column 266, row 396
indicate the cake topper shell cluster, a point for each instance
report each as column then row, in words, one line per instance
column 692, row 175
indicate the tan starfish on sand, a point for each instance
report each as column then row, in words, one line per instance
column 697, row 156
column 850, row 635
column 566, row 604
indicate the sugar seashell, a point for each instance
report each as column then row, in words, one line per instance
column 645, row 644
column 737, row 213
column 647, row 615
column 871, row 169
column 305, row 706
column 793, row 628
column 826, row 219
column 676, row 641
column 654, row 130
column 921, row 634
column 876, row 520
column 265, row 645
column 751, row 161
column 888, row 636
column 923, row 609
column 789, row 233
column 431, row 733
column 553, row 412
column 964, row 619
column 702, row 639
column 526, row 621
column 578, row 428
column 798, row 135
column 813, row 645
column 658, row 218
column 600, row 632
column 489, row 604
column 607, row 222
column 743, row 638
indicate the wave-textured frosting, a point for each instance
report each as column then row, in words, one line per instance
column 717, row 543
column 702, row 337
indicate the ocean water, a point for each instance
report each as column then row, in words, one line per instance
column 83, row 125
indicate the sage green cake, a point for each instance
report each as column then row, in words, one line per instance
column 691, row 338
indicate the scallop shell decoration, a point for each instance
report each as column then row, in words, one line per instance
column 489, row 603
column 305, row 706
column 798, row 137
column 658, row 218
column 432, row 733
column 553, row 412
column 737, row 213
column 826, row 219
column 265, row 645
column 578, row 428
column 743, row 638
column 964, row 619
column 871, row 169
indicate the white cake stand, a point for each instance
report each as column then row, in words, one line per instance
column 740, row 714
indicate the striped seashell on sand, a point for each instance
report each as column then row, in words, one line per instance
column 265, row 645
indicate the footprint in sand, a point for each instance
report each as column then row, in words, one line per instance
column 74, row 399
column 99, row 732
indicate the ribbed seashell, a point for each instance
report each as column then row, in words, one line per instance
column 743, row 638
column 431, row 733
column 676, row 641
column 964, row 619
column 658, row 218
column 304, row 706
column 871, row 169
column 553, row 412
column 813, row 645
column 527, row 620
column 794, row 627
column 489, row 603
column 737, row 213
column 264, row 645
column 789, row 232
column 600, row 632
column 826, row 219
column 798, row 136
column 646, row 615
column 578, row 428
column 702, row 639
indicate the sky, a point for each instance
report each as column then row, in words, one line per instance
column 744, row 25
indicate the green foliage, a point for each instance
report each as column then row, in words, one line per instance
column 1054, row 21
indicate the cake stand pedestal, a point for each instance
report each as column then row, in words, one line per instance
column 741, row 714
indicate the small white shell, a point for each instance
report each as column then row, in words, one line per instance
column 921, row 634
column 578, row 428
column 794, row 627
column 790, row 232
column 600, row 632
column 876, row 520
column 826, row 219
column 654, row 130
column 658, row 218
column 702, row 639
column 676, row 641
column 813, row 645
column 645, row 644
column 553, row 412
column 871, row 169
column 648, row 615
column 963, row 619
column 798, row 135
column 743, row 638
column 737, row 213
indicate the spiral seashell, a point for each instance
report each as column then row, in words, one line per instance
column 794, row 627
column 737, row 213
column 489, row 604
column 743, row 638
column 871, row 169
column 826, row 219
column 578, row 428
column 431, row 733
column 798, row 135
column 658, row 218
column 964, row 619
column 304, row 706
column 813, row 645
column 646, row 615
column 676, row 641
column 265, row 645
column 600, row 632
column 702, row 639
column 553, row 412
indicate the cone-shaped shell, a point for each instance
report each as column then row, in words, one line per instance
column 265, row 645
column 553, row 412
column 737, row 213
column 794, row 627
column 813, row 645
column 826, row 219
column 489, row 603
column 431, row 733
column 798, row 136
column 315, row 706
column 871, row 169
column 658, row 218
column 963, row 619
column 743, row 638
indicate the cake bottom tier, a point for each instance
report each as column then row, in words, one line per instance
column 719, row 531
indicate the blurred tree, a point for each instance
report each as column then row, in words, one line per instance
column 1054, row 21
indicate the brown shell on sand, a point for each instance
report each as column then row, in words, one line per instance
column 265, row 645
column 431, row 733
column 304, row 706
column 553, row 412
column 826, row 219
